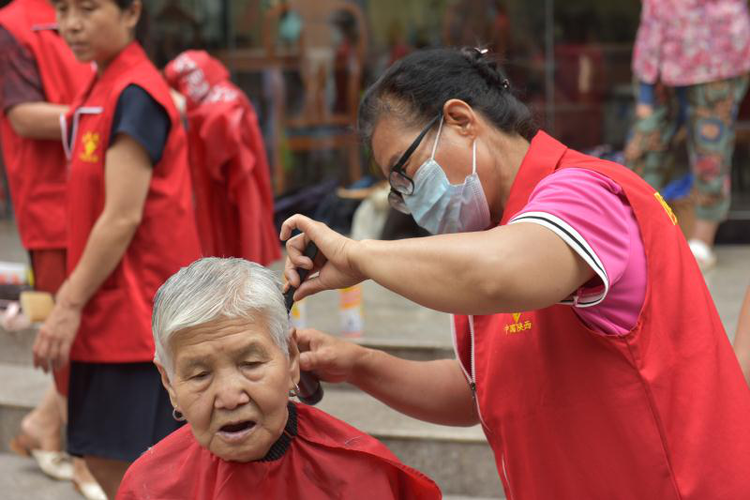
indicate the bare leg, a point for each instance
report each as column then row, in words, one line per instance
column 711, row 115
column 705, row 231
column 108, row 473
column 81, row 473
column 44, row 423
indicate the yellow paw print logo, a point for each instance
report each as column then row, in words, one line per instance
column 666, row 207
column 90, row 144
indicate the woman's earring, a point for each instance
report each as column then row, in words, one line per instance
column 177, row 415
column 294, row 393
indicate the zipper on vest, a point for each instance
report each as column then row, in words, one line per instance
column 470, row 377
column 473, row 378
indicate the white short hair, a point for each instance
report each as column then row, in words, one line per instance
column 214, row 288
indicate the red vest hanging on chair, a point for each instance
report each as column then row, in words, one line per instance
column 36, row 168
column 659, row 413
column 231, row 178
column 116, row 323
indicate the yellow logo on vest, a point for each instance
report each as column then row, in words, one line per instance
column 517, row 326
column 666, row 207
column 90, row 144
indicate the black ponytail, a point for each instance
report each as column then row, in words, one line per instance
column 142, row 28
column 416, row 87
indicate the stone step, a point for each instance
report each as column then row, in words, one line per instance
column 21, row 479
column 461, row 497
column 21, row 389
column 15, row 346
column 415, row 349
column 458, row 459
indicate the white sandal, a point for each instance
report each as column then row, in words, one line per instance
column 90, row 490
column 56, row 464
column 703, row 254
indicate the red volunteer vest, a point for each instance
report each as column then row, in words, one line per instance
column 660, row 413
column 116, row 323
column 231, row 178
column 36, row 168
column 328, row 459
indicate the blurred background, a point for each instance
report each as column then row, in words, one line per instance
column 304, row 65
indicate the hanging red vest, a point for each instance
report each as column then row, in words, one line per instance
column 660, row 413
column 116, row 322
column 327, row 459
column 36, row 168
column 231, row 178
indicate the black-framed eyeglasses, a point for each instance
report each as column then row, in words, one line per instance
column 402, row 184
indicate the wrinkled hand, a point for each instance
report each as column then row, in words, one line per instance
column 334, row 260
column 329, row 358
column 55, row 337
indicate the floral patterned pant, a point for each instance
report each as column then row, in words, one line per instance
column 709, row 112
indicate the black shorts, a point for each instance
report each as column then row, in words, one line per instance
column 117, row 411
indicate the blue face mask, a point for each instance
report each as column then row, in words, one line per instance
column 441, row 207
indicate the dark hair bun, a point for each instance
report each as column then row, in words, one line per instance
column 487, row 67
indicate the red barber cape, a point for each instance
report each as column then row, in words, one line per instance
column 327, row 459
column 662, row 413
column 36, row 168
column 231, row 180
column 116, row 322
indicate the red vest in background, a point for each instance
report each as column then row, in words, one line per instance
column 116, row 323
column 661, row 413
column 231, row 179
column 328, row 459
column 36, row 168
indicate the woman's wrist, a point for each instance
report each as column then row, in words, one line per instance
column 359, row 253
column 360, row 372
column 66, row 297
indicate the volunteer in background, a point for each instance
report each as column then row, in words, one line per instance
column 130, row 226
column 39, row 77
column 691, row 60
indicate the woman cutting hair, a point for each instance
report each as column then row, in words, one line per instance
column 130, row 226
column 587, row 344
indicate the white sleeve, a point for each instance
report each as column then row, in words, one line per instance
column 579, row 245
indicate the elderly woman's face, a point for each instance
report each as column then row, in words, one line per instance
column 231, row 382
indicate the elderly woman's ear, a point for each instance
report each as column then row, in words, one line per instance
column 166, row 383
column 293, row 359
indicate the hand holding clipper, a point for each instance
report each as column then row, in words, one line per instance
column 310, row 390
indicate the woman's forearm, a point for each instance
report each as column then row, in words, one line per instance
column 37, row 120
column 519, row 267
column 104, row 249
column 127, row 177
column 433, row 391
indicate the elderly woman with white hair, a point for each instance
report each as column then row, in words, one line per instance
column 229, row 360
